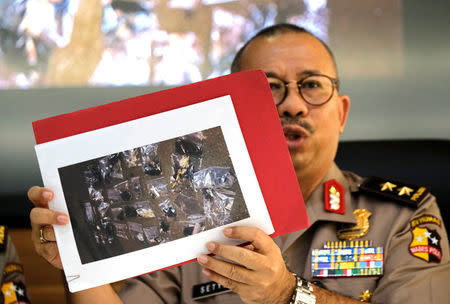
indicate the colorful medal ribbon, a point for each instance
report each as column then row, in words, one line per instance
column 347, row 259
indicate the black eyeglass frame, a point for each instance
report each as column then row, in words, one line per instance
column 334, row 81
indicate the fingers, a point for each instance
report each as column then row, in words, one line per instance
column 43, row 216
column 259, row 270
column 40, row 196
column 232, row 271
column 249, row 247
column 49, row 251
column 48, row 233
column 243, row 256
column 260, row 241
column 235, row 286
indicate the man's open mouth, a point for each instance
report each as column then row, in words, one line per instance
column 292, row 136
column 295, row 135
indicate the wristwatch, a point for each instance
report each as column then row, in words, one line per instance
column 303, row 292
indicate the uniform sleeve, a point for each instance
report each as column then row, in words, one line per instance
column 13, row 286
column 416, row 267
column 159, row 287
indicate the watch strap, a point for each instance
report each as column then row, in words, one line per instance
column 303, row 292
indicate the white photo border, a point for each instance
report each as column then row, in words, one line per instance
column 125, row 136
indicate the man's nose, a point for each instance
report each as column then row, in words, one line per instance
column 294, row 105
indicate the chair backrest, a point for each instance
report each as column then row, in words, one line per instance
column 419, row 162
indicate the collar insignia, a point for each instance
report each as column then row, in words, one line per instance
column 334, row 197
column 357, row 230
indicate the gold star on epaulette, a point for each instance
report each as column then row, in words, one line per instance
column 388, row 186
column 405, row 190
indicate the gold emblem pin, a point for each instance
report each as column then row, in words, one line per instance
column 358, row 230
column 365, row 296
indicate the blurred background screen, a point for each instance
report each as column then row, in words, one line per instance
column 54, row 43
column 58, row 56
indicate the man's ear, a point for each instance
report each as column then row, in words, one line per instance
column 344, row 107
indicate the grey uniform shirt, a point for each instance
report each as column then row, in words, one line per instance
column 406, row 278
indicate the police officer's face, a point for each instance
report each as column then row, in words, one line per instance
column 311, row 132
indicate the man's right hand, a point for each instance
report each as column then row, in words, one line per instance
column 42, row 217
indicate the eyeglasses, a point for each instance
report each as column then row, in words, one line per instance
column 315, row 89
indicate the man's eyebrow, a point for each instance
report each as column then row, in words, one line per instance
column 308, row 73
column 271, row 74
column 299, row 74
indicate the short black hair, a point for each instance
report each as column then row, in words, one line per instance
column 275, row 30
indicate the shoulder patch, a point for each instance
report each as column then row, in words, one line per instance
column 3, row 237
column 410, row 194
column 426, row 244
column 14, row 292
column 425, row 219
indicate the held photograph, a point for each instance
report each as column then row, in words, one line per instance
column 153, row 194
column 149, row 193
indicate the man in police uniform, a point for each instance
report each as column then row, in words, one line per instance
column 372, row 240
column 12, row 279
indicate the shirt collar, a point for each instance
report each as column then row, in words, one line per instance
column 315, row 206
column 316, row 202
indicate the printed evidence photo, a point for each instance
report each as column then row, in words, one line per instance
column 152, row 194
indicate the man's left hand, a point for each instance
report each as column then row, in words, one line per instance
column 256, row 272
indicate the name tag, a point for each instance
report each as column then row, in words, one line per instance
column 207, row 289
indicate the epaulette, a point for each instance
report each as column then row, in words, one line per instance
column 3, row 237
column 407, row 193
